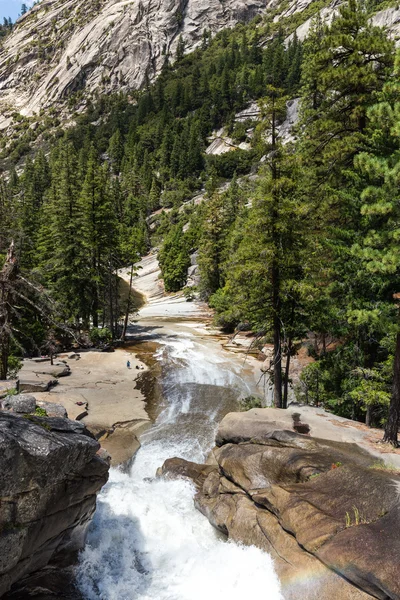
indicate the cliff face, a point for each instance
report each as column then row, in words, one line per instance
column 50, row 474
column 325, row 511
column 97, row 46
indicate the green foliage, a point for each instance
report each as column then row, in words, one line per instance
column 174, row 259
column 12, row 392
column 14, row 365
column 250, row 402
column 5, row 28
column 237, row 161
column 40, row 412
column 306, row 250
column 99, row 337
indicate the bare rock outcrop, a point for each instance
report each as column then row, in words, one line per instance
column 64, row 46
column 50, row 474
column 326, row 513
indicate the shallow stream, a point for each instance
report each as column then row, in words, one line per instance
column 147, row 541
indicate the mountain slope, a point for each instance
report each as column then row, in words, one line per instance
column 97, row 46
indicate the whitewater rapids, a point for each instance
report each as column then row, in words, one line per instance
column 147, row 541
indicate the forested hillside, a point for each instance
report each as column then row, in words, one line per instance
column 297, row 236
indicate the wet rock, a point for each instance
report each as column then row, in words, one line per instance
column 178, row 468
column 318, row 507
column 20, row 403
column 47, row 584
column 49, row 477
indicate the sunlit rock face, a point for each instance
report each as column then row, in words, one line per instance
column 61, row 47
column 325, row 511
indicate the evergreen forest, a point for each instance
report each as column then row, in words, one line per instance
column 297, row 236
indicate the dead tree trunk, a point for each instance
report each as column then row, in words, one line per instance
column 8, row 277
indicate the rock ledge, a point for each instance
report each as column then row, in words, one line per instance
column 50, row 474
column 326, row 511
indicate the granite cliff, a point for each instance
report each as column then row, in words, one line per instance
column 62, row 47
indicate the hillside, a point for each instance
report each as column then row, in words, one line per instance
column 261, row 163
column 65, row 52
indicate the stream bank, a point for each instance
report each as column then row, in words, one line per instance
column 327, row 512
column 147, row 540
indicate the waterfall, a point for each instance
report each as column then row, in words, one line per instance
column 147, row 541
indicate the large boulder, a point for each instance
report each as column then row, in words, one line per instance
column 20, row 403
column 322, row 509
column 50, row 474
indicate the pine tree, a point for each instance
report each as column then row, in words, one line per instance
column 116, row 151
column 180, row 49
column 62, row 260
column 380, row 213
column 346, row 64
column 215, row 229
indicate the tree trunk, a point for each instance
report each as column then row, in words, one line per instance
column 128, row 307
column 276, row 304
column 287, row 372
column 368, row 416
column 392, row 425
column 111, row 303
column 277, row 339
column 8, row 276
column 116, row 304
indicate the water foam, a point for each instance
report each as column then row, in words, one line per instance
column 147, row 541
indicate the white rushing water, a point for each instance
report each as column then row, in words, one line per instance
column 147, row 541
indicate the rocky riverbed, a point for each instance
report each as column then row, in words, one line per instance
column 308, row 496
column 102, row 392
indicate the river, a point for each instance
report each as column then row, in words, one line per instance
column 147, row 541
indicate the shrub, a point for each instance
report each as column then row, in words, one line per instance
column 250, row 402
column 100, row 336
